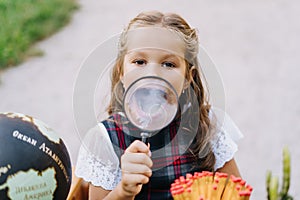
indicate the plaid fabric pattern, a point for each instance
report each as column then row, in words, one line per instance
column 170, row 156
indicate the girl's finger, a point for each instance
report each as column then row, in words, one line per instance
column 137, row 158
column 137, row 169
column 138, row 147
column 134, row 179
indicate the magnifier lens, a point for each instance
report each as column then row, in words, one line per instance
column 150, row 103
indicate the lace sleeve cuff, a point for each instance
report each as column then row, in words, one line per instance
column 224, row 144
column 96, row 172
column 97, row 162
column 224, row 149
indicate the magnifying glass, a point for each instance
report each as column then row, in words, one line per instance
column 150, row 103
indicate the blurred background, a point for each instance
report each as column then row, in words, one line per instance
column 254, row 44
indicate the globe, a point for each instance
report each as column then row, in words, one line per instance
column 34, row 161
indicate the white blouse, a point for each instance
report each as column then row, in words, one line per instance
column 99, row 164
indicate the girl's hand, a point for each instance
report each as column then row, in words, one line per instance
column 136, row 168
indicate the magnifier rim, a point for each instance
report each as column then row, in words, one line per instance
column 132, row 84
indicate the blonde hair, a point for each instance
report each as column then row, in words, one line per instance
column 189, row 36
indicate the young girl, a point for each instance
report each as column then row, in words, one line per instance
column 114, row 160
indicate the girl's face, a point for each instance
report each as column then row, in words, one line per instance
column 154, row 52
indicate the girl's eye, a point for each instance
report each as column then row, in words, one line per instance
column 139, row 62
column 168, row 64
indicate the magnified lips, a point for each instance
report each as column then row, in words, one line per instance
column 147, row 105
column 150, row 103
column 150, row 99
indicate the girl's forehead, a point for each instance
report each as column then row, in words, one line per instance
column 155, row 38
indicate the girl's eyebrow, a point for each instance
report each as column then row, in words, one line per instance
column 144, row 54
column 171, row 56
column 136, row 53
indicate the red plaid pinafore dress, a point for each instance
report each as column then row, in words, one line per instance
column 170, row 160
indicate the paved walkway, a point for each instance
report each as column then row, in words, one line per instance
column 255, row 46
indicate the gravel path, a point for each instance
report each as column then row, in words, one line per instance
column 255, row 46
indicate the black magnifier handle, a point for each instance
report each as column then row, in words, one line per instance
column 145, row 137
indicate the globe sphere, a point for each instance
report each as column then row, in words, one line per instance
column 34, row 161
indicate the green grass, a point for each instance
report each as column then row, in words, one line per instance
column 24, row 22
